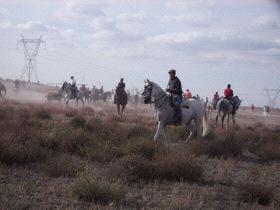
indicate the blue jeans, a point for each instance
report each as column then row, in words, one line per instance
column 178, row 101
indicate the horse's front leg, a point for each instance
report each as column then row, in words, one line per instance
column 199, row 128
column 159, row 130
column 223, row 118
column 118, row 106
column 217, row 117
column 233, row 119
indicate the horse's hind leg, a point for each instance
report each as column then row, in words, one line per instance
column 124, row 109
column 192, row 131
column 217, row 117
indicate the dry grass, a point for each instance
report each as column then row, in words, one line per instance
column 63, row 165
column 60, row 143
column 252, row 193
column 223, row 147
column 89, row 188
column 169, row 168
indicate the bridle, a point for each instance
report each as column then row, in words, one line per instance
column 150, row 95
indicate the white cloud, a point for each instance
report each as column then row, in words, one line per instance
column 207, row 40
column 32, row 26
column 79, row 9
column 103, row 23
column 187, row 19
column 135, row 17
column 267, row 21
column 5, row 25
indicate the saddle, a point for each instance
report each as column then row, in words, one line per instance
column 171, row 102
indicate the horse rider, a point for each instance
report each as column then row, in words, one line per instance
column 187, row 94
column 73, row 86
column 228, row 93
column 101, row 90
column 174, row 87
column 83, row 88
column 120, row 87
column 16, row 84
column 216, row 98
column 121, row 84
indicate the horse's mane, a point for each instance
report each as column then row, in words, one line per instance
column 157, row 86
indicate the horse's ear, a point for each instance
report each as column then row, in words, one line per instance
column 148, row 81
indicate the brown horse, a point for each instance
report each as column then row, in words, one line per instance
column 2, row 91
column 121, row 100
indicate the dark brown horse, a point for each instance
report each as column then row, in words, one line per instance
column 121, row 100
column 2, row 91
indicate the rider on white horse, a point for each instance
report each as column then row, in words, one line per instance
column 73, row 85
column 228, row 93
column 175, row 89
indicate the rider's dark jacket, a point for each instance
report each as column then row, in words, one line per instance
column 121, row 86
column 175, row 87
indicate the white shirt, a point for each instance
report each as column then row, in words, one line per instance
column 73, row 81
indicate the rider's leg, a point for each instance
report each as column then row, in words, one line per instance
column 178, row 108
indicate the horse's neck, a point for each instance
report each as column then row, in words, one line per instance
column 160, row 97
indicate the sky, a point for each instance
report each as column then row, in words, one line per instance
column 210, row 43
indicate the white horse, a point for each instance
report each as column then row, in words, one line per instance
column 69, row 94
column 225, row 106
column 195, row 111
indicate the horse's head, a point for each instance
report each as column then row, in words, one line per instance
column 147, row 92
column 237, row 102
column 64, row 85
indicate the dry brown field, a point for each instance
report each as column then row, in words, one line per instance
column 57, row 157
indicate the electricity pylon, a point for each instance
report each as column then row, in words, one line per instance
column 31, row 49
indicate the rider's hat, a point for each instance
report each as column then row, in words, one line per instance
column 172, row 71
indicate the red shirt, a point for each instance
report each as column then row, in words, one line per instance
column 228, row 93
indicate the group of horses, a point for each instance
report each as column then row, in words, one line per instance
column 121, row 97
column 66, row 92
column 195, row 111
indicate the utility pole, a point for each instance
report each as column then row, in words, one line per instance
column 30, row 48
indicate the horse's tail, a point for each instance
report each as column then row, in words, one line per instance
column 205, row 123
